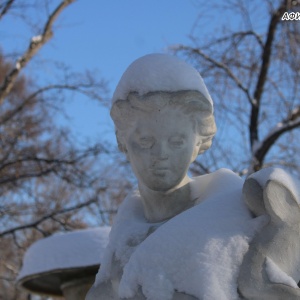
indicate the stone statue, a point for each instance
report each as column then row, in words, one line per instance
column 271, row 267
column 177, row 237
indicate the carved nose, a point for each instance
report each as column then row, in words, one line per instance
column 160, row 151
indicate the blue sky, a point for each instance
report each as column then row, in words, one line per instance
column 109, row 35
column 106, row 36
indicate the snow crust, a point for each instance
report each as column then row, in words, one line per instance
column 198, row 252
column 18, row 64
column 37, row 38
column 279, row 175
column 276, row 275
column 159, row 72
column 65, row 250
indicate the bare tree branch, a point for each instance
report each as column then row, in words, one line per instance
column 35, row 223
column 266, row 56
column 34, row 46
column 48, row 177
column 237, row 35
column 198, row 165
column 256, row 65
column 5, row 7
column 80, row 88
column 219, row 65
column 32, row 166
column 291, row 122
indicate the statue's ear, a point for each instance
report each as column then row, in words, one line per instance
column 196, row 149
column 253, row 196
column 118, row 112
column 281, row 203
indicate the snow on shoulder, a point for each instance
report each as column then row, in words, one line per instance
column 159, row 72
column 198, row 252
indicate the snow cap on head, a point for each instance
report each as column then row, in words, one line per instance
column 159, row 72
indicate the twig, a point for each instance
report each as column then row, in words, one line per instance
column 35, row 45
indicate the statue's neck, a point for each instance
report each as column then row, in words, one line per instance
column 159, row 206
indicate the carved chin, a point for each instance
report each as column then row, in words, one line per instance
column 161, row 182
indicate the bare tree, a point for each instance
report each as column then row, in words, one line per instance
column 48, row 182
column 251, row 65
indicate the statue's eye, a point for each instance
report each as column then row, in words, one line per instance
column 176, row 141
column 146, row 142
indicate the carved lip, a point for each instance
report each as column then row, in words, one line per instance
column 159, row 171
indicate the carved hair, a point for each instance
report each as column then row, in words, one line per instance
column 191, row 103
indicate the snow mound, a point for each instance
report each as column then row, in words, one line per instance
column 159, row 72
column 198, row 252
column 279, row 175
column 65, row 250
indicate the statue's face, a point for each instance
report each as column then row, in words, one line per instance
column 161, row 145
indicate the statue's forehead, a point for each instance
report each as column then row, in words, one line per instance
column 169, row 114
column 166, row 121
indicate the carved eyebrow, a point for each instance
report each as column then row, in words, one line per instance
column 178, row 136
column 145, row 138
column 141, row 131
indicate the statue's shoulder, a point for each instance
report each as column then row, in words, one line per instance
column 221, row 177
column 131, row 207
column 220, row 181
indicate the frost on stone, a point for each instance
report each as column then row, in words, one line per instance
column 276, row 275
